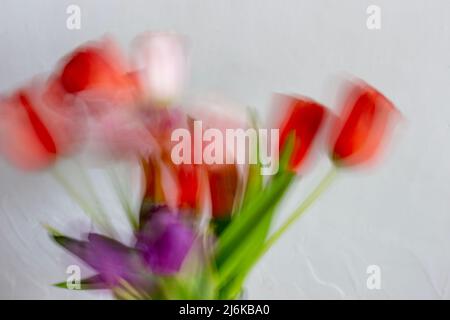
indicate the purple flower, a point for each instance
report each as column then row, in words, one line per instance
column 162, row 246
column 165, row 241
column 112, row 260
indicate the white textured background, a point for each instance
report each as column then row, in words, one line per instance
column 397, row 216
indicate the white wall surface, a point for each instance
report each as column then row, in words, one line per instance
column 396, row 216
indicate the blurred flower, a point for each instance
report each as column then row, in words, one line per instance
column 176, row 185
column 181, row 185
column 33, row 132
column 161, row 62
column 120, row 134
column 188, row 177
column 162, row 245
column 359, row 131
column 208, row 255
column 223, row 183
column 162, row 177
column 222, row 180
column 303, row 119
column 218, row 114
column 112, row 260
column 165, row 241
column 161, row 123
column 96, row 75
column 97, row 72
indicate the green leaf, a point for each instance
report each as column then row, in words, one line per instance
column 254, row 183
column 252, row 186
column 235, row 267
column 91, row 283
column 220, row 224
column 238, row 246
column 251, row 215
column 52, row 231
column 247, row 234
column 77, row 247
column 233, row 288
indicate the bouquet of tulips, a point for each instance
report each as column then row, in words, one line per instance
column 200, row 226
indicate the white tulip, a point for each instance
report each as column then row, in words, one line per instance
column 162, row 63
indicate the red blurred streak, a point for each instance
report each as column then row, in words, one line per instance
column 41, row 131
column 223, row 182
column 360, row 130
column 304, row 119
column 188, row 182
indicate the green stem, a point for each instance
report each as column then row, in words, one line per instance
column 312, row 197
column 235, row 287
column 98, row 204
column 123, row 200
column 240, row 228
column 90, row 210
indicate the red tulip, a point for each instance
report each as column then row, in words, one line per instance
column 33, row 131
column 26, row 140
column 175, row 185
column 223, row 183
column 359, row 131
column 304, row 119
column 189, row 186
column 98, row 71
